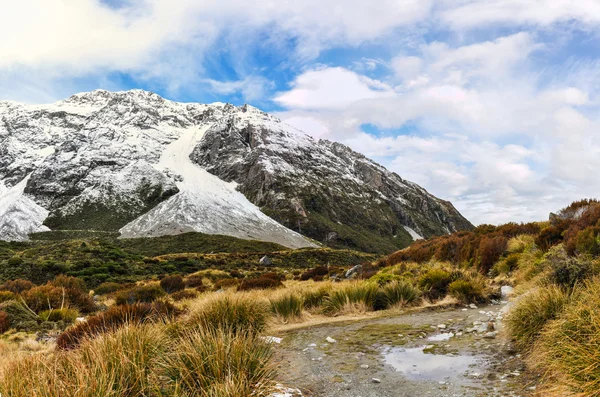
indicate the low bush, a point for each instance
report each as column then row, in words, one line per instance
column 68, row 316
column 319, row 271
column 20, row 317
column 184, row 294
column 110, row 287
column 434, row 283
column 115, row 318
column 17, row 286
column 225, row 283
column 353, row 297
column 193, row 281
column 4, row 322
column 468, row 290
column 566, row 270
column 172, row 283
column 384, row 278
column 234, row 314
column 399, row 293
column 287, row 306
column 569, row 347
column 262, row 282
column 139, row 294
column 6, row 296
column 532, row 312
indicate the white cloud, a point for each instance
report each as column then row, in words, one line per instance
column 471, row 104
column 476, row 13
column 330, row 88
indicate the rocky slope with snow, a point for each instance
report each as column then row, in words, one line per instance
column 135, row 162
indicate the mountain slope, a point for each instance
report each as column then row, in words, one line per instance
column 135, row 162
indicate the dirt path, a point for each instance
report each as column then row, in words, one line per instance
column 431, row 353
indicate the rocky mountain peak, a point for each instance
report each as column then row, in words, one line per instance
column 135, row 162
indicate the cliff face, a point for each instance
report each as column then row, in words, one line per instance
column 320, row 188
column 135, row 162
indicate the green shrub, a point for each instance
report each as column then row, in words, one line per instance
column 468, row 290
column 358, row 296
column 287, row 306
column 384, row 278
column 566, row 270
column 172, row 283
column 399, row 293
column 6, row 296
column 21, row 318
column 109, row 288
column 68, row 316
column 434, row 283
column 587, row 241
column 532, row 312
column 139, row 294
column 230, row 314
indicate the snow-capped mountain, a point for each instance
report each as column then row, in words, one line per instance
column 135, row 162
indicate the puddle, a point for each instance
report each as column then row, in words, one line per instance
column 441, row 337
column 415, row 364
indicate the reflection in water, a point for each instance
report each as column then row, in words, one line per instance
column 415, row 364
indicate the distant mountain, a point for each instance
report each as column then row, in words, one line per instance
column 139, row 164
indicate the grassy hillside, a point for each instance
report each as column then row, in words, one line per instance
column 98, row 258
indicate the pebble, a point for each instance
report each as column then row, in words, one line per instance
column 364, row 366
column 490, row 335
column 442, row 326
column 473, row 306
column 329, row 339
column 375, row 380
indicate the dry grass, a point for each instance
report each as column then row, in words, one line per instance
column 568, row 350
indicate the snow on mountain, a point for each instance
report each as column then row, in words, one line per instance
column 206, row 203
column 135, row 162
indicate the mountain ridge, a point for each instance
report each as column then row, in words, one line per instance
column 92, row 161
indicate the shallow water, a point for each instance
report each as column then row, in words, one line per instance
column 414, row 363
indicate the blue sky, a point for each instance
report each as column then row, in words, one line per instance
column 491, row 104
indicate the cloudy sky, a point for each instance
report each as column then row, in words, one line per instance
column 491, row 104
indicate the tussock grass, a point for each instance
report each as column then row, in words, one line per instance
column 356, row 297
column 287, row 306
column 219, row 363
column 399, row 294
column 469, row 289
column 145, row 360
column 230, row 313
column 532, row 312
column 569, row 347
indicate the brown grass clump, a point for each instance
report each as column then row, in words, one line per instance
column 532, row 312
column 569, row 347
column 114, row 318
column 230, row 313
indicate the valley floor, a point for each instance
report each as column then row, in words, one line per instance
column 405, row 355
